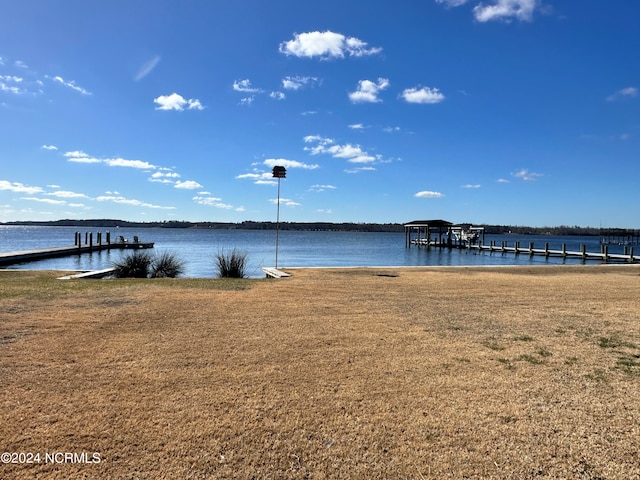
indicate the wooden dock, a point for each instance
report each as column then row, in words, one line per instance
column 518, row 249
column 23, row 256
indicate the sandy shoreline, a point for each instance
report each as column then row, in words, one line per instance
column 377, row 372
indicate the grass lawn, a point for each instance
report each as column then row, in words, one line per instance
column 416, row 373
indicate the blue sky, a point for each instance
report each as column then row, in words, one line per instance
column 521, row 112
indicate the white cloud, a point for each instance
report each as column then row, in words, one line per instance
column 505, row 10
column 367, row 91
column 296, row 83
column 255, row 176
column 212, row 202
column 500, row 9
column 353, row 153
column 18, row 187
column 188, row 185
column 452, row 3
column 70, row 84
column 12, row 84
column 526, row 175
column 424, row 95
column 502, row 180
column 628, row 92
column 326, row 45
column 79, row 156
column 66, row 194
column 245, row 86
column 285, row 201
column 247, row 101
column 469, row 185
column 177, row 102
column 130, row 201
column 360, row 169
column 147, row 68
column 49, row 201
column 321, row 188
column 49, row 147
column 277, row 95
column 272, row 162
column 356, row 126
column 428, row 194
column 164, row 177
column 121, row 162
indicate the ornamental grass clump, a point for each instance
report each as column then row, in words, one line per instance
column 166, row 265
column 144, row 265
column 231, row 265
column 133, row 265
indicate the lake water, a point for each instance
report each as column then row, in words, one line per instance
column 198, row 248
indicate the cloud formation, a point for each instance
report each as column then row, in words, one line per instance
column 628, row 92
column 504, row 10
column 245, row 86
column 272, row 162
column 187, row 185
column 326, row 45
column 147, row 68
column 130, row 201
column 526, row 175
column 18, row 187
column 424, row 95
column 352, row 153
column 78, row 156
column 177, row 102
column 428, row 194
column 70, row 84
column 367, row 91
column 297, row 82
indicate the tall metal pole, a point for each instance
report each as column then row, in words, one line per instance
column 278, row 223
column 278, row 172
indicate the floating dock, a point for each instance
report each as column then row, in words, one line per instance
column 23, row 256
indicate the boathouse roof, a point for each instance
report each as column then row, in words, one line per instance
column 428, row 223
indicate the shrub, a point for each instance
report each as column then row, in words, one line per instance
column 231, row 265
column 166, row 265
column 134, row 265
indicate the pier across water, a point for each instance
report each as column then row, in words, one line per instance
column 440, row 233
column 88, row 246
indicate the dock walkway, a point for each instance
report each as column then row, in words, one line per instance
column 22, row 256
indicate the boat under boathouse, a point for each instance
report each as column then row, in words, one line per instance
column 441, row 233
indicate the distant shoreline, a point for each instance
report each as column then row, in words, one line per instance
column 300, row 226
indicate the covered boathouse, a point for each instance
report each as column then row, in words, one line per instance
column 441, row 233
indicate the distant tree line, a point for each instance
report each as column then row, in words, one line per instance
column 305, row 226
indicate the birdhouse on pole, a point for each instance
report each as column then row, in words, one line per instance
column 279, row 172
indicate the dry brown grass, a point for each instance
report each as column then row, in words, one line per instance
column 509, row 373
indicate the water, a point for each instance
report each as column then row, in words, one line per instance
column 198, row 248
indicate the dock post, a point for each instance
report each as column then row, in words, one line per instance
column 631, row 254
column 108, row 238
column 583, row 251
column 546, row 249
column 100, row 238
column 516, row 247
column 91, row 241
column 86, row 237
column 564, row 249
column 530, row 249
column 606, row 253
